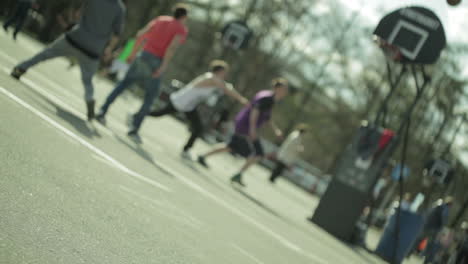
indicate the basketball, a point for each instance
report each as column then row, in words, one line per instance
column 453, row 2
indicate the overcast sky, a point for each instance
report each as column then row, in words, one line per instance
column 454, row 18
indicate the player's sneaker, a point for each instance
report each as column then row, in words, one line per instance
column 90, row 107
column 202, row 161
column 135, row 137
column 101, row 118
column 17, row 73
column 238, row 179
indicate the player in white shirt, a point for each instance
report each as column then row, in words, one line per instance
column 289, row 151
column 193, row 94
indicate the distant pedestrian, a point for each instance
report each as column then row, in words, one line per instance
column 245, row 141
column 462, row 248
column 187, row 99
column 119, row 66
column 19, row 16
column 436, row 219
column 289, row 151
column 101, row 24
column 162, row 37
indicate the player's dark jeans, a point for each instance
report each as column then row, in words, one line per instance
column 280, row 166
column 462, row 257
column 18, row 17
column 192, row 116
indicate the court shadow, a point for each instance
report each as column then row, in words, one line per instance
column 210, row 179
column 143, row 154
column 136, row 148
column 284, row 192
column 190, row 164
column 271, row 211
column 257, row 202
column 361, row 252
column 201, row 175
column 81, row 126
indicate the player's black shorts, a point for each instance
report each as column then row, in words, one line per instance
column 241, row 145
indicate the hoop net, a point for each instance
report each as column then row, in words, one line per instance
column 391, row 51
column 230, row 44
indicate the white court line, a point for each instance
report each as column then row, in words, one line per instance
column 247, row 254
column 101, row 159
column 244, row 216
column 50, row 96
column 68, row 94
column 83, row 142
column 221, row 202
column 56, row 100
column 58, row 88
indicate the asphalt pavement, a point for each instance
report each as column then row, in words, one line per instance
column 74, row 191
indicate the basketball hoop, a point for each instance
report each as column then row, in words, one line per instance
column 236, row 35
column 411, row 35
column 390, row 51
column 232, row 44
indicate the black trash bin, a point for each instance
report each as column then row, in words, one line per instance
column 411, row 225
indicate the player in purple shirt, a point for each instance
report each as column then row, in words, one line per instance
column 245, row 141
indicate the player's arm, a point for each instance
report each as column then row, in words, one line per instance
column 117, row 30
column 253, row 119
column 229, row 90
column 111, row 46
column 276, row 130
column 140, row 41
column 301, row 148
column 170, row 52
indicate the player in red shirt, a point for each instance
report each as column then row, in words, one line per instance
column 159, row 40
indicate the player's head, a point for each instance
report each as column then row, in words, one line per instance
column 448, row 201
column 302, row 128
column 280, row 87
column 180, row 12
column 464, row 226
column 219, row 68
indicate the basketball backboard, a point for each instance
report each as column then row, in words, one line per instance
column 415, row 31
